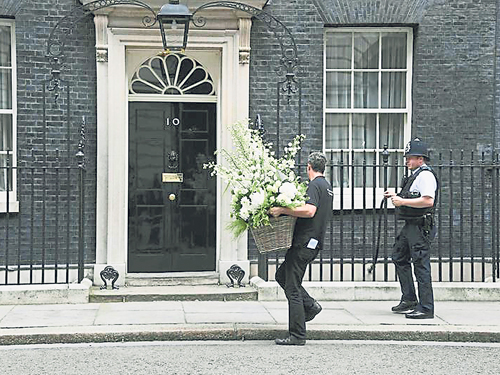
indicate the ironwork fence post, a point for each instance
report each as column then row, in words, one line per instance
column 7, row 215
column 262, row 267
column 385, row 160
column 81, row 167
column 494, row 216
column 263, row 260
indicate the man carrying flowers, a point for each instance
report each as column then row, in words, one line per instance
column 257, row 179
column 262, row 184
column 308, row 238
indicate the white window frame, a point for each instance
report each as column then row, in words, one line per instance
column 13, row 202
column 358, row 191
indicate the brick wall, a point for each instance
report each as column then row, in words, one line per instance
column 53, row 143
column 454, row 65
column 497, row 82
column 454, row 86
column 454, row 82
column 306, row 27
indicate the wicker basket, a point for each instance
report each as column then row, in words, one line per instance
column 274, row 237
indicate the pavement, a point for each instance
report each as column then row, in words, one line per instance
column 457, row 321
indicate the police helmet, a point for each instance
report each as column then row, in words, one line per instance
column 416, row 148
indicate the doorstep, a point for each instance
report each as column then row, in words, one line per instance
column 173, row 293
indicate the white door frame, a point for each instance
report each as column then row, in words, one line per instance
column 112, row 135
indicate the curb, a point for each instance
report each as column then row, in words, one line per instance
column 243, row 333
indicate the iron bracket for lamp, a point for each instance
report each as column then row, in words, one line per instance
column 289, row 57
column 64, row 28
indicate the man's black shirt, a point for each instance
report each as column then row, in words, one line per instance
column 320, row 195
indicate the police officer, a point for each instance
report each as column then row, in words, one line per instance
column 415, row 205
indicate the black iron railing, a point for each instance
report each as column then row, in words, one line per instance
column 42, row 222
column 42, row 232
column 466, row 247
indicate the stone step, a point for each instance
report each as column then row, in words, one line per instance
column 173, row 293
column 172, row 279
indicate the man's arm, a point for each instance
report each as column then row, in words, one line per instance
column 307, row 211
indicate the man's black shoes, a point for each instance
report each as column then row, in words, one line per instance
column 416, row 314
column 290, row 340
column 313, row 311
column 405, row 306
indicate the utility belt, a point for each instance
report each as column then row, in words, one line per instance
column 426, row 222
column 413, row 214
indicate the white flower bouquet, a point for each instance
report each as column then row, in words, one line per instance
column 257, row 179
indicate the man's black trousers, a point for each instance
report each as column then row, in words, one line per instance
column 289, row 276
column 413, row 245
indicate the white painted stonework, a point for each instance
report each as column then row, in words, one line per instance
column 122, row 44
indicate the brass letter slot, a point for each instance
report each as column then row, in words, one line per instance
column 172, row 177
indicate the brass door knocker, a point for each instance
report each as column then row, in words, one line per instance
column 173, row 160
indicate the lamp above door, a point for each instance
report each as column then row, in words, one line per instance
column 174, row 17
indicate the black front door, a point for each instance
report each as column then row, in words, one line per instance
column 171, row 220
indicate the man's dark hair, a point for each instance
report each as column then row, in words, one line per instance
column 317, row 161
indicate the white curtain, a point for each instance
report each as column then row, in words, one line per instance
column 394, row 55
column 5, row 102
column 365, row 90
column 366, row 56
column 391, row 130
column 338, row 90
column 5, row 68
column 337, row 130
column 5, row 144
column 353, row 62
column 338, row 83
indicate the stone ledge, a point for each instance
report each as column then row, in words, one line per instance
column 378, row 291
column 45, row 294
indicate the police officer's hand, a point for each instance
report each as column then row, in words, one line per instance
column 389, row 194
column 397, row 200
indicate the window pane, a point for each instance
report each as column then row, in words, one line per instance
column 338, row 50
column 337, row 131
column 338, row 90
column 5, row 54
column 394, row 51
column 363, row 173
column 3, row 173
column 364, row 130
column 394, row 90
column 5, row 89
column 5, row 132
column 366, row 50
column 340, row 171
column 365, row 90
column 158, row 67
column 391, row 130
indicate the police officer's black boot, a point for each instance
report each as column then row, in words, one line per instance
column 417, row 314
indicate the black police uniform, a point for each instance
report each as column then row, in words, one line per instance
column 414, row 241
column 308, row 239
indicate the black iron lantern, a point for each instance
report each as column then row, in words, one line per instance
column 174, row 17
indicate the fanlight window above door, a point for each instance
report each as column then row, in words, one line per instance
column 173, row 74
